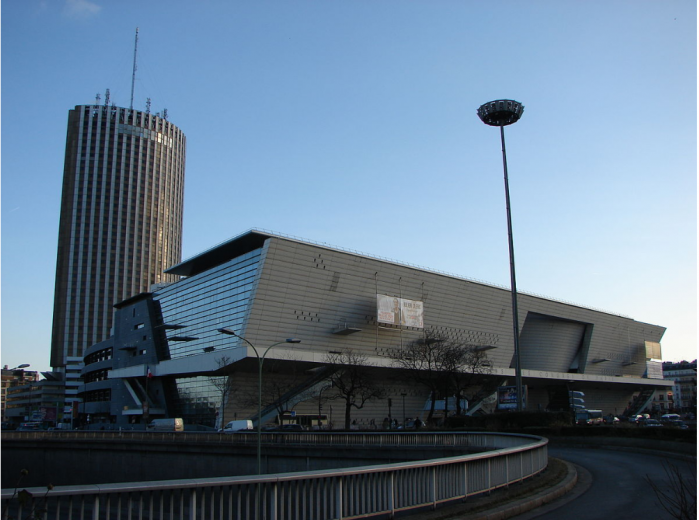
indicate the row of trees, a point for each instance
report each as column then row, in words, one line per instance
column 443, row 366
column 446, row 367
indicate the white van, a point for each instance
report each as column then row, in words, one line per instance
column 670, row 417
column 236, row 426
column 166, row 425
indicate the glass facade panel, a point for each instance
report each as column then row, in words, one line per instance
column 195, row 399
column 201, row 304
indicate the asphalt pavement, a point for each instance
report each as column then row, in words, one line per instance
column 614, row 484
column 583, row 483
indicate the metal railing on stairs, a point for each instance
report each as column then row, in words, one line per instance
column 641, row 401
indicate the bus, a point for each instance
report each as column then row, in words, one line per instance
column 588, row 417
column 308, row 421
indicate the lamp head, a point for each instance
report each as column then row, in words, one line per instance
column 293, row 340
column 501, row 112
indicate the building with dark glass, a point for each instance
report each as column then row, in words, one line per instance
column 168, row 355
column 120, row 222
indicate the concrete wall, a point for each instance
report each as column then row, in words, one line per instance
column 71, row 462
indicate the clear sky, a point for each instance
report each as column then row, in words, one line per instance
column 353, row 122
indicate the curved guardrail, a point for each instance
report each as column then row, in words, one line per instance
column 312, row 495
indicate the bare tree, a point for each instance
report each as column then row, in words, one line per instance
column 679, row 498
column 281, row 377
column 352, row 381
column 423, row 364
column 444, row 366
column 467, row 369
column 224, row 385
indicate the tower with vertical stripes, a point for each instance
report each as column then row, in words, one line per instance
column 121, row 218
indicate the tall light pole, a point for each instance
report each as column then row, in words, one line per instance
column 260, row 361
column 504, row 112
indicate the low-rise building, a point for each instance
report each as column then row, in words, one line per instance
column 683, row 397
column 12, row 377
column 36, row 400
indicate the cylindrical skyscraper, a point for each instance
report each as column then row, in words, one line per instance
column 121, row 219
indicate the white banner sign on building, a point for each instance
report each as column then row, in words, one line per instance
column 399, row 311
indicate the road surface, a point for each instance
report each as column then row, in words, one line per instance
column 612, row 484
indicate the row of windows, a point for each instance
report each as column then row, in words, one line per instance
column 119, row 157
column 102, row 355
column 97, row 375
column 128, row 135
column 124, row 156
column 196, row 400
column 97, row 395
column 224, row 283
column 231, row 297
column 158, row 137
column 128, row 146
column 228, row 281
column 128, row 116
column 203, row 303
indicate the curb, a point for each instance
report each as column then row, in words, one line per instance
column 527, row 504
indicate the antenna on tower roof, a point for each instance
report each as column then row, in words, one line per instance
column 133, row 76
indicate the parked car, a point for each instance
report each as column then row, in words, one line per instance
column 669, row 417
column 677, row 424
column 291, row 428
column 30, row 427
column 410, row 424
column 652, row 423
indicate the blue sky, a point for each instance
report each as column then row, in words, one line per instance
column 354, row 123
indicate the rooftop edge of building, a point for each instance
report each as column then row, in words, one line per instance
column 254, row 238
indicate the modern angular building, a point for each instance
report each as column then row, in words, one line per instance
column 168, row 355
column 120, row 222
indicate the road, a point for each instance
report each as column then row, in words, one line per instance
column 613, row 485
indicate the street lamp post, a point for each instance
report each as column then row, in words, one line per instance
column 403, row 394
column 320, row 404
column 502, row 113
column 260, row 361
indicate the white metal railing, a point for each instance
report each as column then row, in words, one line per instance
column 311, row 495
